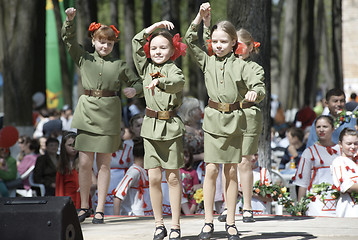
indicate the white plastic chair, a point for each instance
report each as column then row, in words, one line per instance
column 29, row 174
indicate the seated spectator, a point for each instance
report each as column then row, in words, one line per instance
column 42, row 118
column 30, row 149
column 66, row 118
column 352, row 104
column 190, row 182
column 8, row 170
column 42, row 141
column 304, row 117
column 67, row 171
column 191, row 114
column 46, row 167
column 335, row 100
column 135, row 126
column 314, row 167
column 131, row 196
column 345, row 174
column 53, row 128
column 295, row 148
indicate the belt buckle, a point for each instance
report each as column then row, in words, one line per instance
column 97, row 93
column 163, row 115
column 223, row 107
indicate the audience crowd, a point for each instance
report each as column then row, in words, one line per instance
column 303, row 147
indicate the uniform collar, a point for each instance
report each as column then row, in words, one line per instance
column 108, row 57
column 225, row 57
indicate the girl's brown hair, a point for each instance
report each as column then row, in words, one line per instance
column 246, row 37
column 328, row 118
column 104, row 32
column 227, row 27
column 347, row 132
column 164, row 34
column 64, row 164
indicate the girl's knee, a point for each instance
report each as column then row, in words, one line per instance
column 155, row 179
column 173, row 179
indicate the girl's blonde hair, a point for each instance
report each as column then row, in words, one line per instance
column 227, row 27
column 246, row 37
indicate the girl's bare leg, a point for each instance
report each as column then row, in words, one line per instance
column 231, row 188
column 156, row 195
column 246, row 180
column 175, row 192
column 209, row 188
column 104, row 176
column 85, row 177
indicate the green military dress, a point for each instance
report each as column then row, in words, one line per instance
column 253, row 114
column 163, row 141
column 98, row 119
column 227, row 80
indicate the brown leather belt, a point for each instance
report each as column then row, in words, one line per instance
column 100, row 93
column 162, row 115
column 229, row 107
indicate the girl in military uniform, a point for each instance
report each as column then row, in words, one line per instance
column 231, row 86
column 162, row 129
column 98, row 112
column 246, row 46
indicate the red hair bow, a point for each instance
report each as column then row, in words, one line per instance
column 257, row 44
column 146, row 47
column 116, row 32
column 94, row 26
column 179, row 46
column 241, row 49
column 210, row 47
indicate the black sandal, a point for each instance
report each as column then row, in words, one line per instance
column 222, row 217
column 98, row 220
column 206, row 235
column 176, row 231
column 86, row 214
column 162, row 234
column 248, row 219
column 232, row 236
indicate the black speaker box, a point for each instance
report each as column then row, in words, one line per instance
column 36, row 218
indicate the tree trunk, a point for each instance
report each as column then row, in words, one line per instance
column 39, row 85
column 314, row 56
column 65, row 74
column 275, row 46
column 337, row 42
column 147, row 13
column 113, row 6
column 19, row 57
column 129, row 29
column 288, row 46
column 255, row 16
column 326, row 50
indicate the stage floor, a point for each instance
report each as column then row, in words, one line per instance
column 266, row 227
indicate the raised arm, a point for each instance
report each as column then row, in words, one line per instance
column 191, row 37
column 69, row 36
